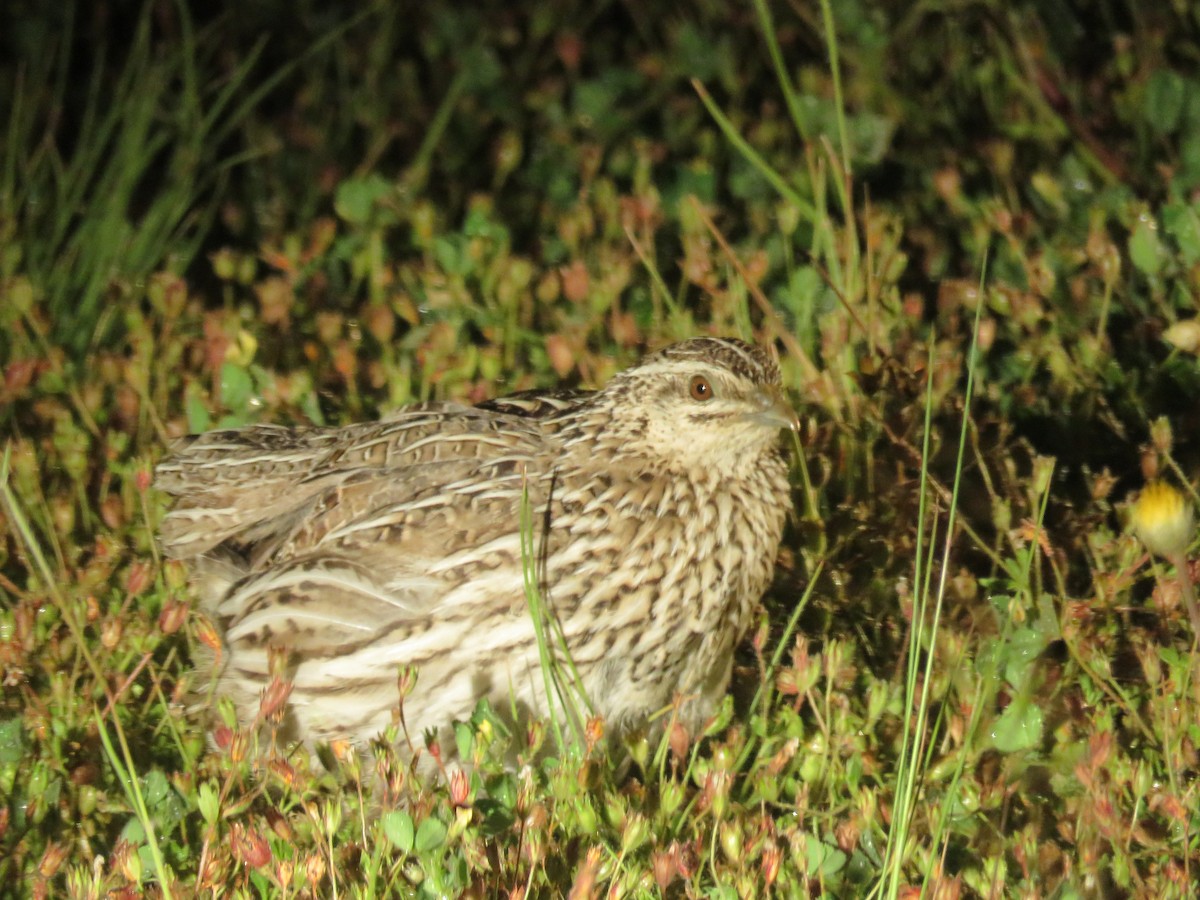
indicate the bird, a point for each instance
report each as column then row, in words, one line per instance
column 648, row 514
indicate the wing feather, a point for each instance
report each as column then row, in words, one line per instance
column 324, row 537
column 245, row 485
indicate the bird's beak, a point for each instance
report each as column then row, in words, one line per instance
column 774, row 411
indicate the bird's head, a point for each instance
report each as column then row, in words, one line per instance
column 705, row 405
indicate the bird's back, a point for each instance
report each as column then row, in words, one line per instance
column 249, row 488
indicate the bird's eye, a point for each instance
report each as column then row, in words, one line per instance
column 701, row 389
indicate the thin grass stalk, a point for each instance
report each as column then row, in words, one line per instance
column 839, row 107
column 766, row 24
column 656, row 279
column 533, row 601
column 951, row 522
column 124, row 766
column 903, row 805
column 765, row 690
column 437, row 128
column 916, row 746
column 985, row 689
column 576, row 691
column 951, row 517
column 555, row 683
column 752, row 156
column 20, row 524
column 840, row 159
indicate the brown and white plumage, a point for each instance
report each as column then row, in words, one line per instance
column 657, row 506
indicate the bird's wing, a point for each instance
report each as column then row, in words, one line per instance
column 243, row 485
column 537, row 404
column 326, row 537
column 380, row 548
column 228, row 482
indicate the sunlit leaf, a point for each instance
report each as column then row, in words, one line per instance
column 1019, row 727
column 398, row 826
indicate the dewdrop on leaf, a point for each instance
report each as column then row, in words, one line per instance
column 1163, row 519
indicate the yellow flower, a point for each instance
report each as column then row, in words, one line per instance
column 1163, row 518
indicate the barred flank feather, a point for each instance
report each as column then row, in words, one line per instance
column 658, row 502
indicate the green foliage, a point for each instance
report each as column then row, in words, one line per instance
column 73, row 190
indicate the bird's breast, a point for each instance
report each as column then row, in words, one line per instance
column 691, row 555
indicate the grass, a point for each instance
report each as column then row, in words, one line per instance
column 564, row 690
column 967, row 680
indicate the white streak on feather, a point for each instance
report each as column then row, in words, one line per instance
column 343, row 579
